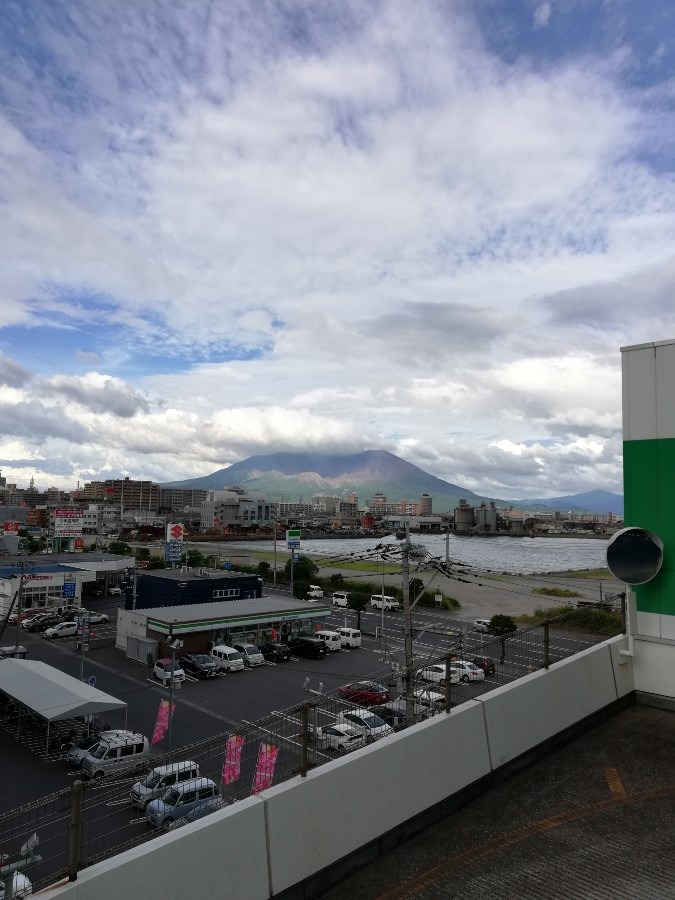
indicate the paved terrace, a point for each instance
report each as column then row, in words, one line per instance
column 593, row 819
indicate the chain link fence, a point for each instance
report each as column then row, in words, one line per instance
column 95, row 820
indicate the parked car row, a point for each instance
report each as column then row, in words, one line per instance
column 460, row 670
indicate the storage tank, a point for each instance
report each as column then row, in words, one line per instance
column 464, row 520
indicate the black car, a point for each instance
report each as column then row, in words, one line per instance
column 43, row 623
column 485, row 663
column 310, row 647
column 276, row 652
column 200, row 664
column 392, row 713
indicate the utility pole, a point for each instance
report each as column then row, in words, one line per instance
column 408, row 678
column 83, row 628
column 133, row 591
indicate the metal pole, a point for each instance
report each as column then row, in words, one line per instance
column 82, row 624
column 274, row 526
column 304, row 739
column 447, row 543
column 547, row 641
column 292, row 559
column 171, row 686
column 133, row 591
column 407, row 630
column 19, row 610
column 448, row 682
column 75, row 829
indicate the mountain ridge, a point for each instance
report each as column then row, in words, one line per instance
column 285, row 476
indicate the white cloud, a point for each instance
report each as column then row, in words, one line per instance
column 343, row 230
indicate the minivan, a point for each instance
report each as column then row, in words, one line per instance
column 250, row 654
column 156, row 782
column 179, row 800
column 228, row 659
column 332, row 639
column 315, row 591
column 115, row 753
column 382, row 601
column 340, row 598
column 350, row 637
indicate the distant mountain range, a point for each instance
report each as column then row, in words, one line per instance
column 295, row 477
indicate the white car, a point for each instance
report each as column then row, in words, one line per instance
column 97, row 618
column 366, row 723
column 164, row 668
column 21, row 886
column 428, row 698
column 314, row 591
column 340, row 598
column 482, row 626
column 468, row 671
column 63, row 629
column 437, row 674
column 339, row 737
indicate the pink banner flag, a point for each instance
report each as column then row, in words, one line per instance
column 162, row 722
column 232, row 765
column 264, row 770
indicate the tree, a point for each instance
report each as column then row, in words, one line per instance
column 303, row 570
column 358, row 603
column 502, row 625
column 264, row 570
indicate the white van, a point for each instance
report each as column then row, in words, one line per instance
column 350, row 637
column 382, row 601
column 157, row 781
column 228, row 659
column 315, row 591
column 180, row 800
column 340, row 598
column 332, row 639
column 115, row 754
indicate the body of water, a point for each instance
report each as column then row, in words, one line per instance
column 524, row 556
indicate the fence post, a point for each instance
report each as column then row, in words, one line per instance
column 448, row 682
column 75, row 831
column 547, row 641
column 304, row 739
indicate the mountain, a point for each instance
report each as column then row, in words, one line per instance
column 295, row 476
column 591, row 501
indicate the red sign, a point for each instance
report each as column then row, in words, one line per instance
column 10, row 527
column 175, row 531
column 79, row 543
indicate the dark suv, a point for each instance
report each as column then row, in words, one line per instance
column 199, row 664
column 43, row 623
column 276, row 652
column 484, row 663
column 313, row 648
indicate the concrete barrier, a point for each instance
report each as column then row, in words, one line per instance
column 298, row 831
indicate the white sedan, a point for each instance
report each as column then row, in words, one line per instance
column 339, row 737
column 437, row 674
column 366, row 723
column 428, row 698
column 468, row 671
column 97, row 618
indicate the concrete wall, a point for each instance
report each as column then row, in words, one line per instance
column 285, row 836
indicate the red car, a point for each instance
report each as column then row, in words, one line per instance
column 366, row 693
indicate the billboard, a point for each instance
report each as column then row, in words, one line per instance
column 68, row 522
column 10, row 527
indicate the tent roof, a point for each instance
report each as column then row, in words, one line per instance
column 51, row 693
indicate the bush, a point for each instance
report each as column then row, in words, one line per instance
column 555, row 592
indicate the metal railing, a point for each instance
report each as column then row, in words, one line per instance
column 95, row 820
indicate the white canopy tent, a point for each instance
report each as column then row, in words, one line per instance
column 50, row 693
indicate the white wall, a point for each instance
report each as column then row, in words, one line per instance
column 287, row 834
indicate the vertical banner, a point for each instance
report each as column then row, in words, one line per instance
column 232, row 764
column 162, row 722
column 264, row 770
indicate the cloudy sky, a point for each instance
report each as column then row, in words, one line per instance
column 232, row 228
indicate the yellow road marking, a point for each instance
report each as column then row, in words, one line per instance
column 614, row 783
column 415, row 885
